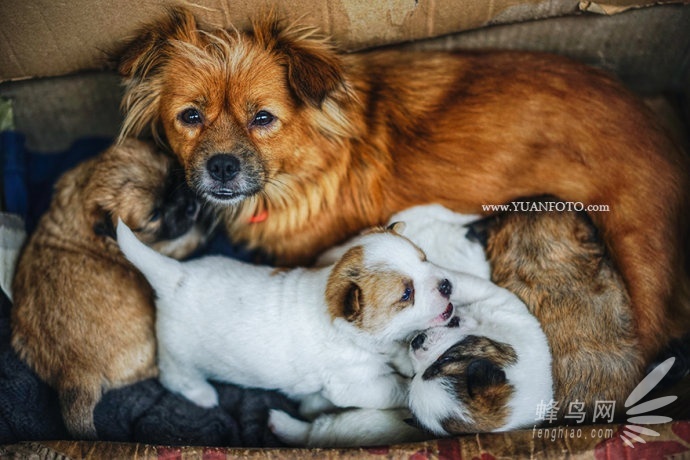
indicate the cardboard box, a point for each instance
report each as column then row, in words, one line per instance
column 66, row 44
column 54, row 68
column 44, row 38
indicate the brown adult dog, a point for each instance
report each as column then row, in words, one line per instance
column 303, row 146
column 555, row 263
column 83, row 317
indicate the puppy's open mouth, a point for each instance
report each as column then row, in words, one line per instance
column 447, row 313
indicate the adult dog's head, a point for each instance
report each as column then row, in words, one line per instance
column 235, row 107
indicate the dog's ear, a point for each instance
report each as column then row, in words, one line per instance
column 345, row 300
column 140, row 64
column 314, row 69
column 482, row 375
column 351, row 302
column 143, row 53
column 397, row 227
column 343, row 294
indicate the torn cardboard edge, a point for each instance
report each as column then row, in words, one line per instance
column 42, row 38
column 617, row 7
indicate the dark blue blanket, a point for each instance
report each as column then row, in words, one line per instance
column 144, row 412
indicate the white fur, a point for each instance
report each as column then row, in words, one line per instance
column 355, row 427
column 485, row 310
column 439, row 232
column 490, row 311
column 225, row 320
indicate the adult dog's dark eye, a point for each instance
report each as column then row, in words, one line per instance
column 190, row 117
column 263, row 118
column 407, row 295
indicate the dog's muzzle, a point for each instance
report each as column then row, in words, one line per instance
column 230, row 177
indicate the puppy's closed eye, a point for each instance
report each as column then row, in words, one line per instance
column 483, row 374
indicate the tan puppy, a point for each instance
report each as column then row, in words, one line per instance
column 554, row 263
column 83, row 317
column 304, row 146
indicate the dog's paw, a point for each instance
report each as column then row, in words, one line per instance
column 288, row 429
column 202, row 395
column 313, row 405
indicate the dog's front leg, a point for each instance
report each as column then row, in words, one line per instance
column 186, row 381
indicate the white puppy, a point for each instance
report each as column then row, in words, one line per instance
column 302, row 331
column 489, row 373
column 440, row 233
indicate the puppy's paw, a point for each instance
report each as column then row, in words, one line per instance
column 203, row 395
column 288, row 429
column 313, row 405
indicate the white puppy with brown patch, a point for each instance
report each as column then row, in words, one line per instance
column 302, row 331
column 488, row 373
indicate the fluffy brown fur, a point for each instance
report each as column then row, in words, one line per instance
column 83, row 317
column 556, row 265
column 353, row 138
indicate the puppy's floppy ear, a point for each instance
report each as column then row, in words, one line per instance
column 482, row 375
column 397, row 227
column 314, row 69
column 140, row 55
column 351, row 302
column 343, row 294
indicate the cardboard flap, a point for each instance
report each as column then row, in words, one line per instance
column 42, row 38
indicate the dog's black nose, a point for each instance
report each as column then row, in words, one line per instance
column 454, row 322
column 418, row 341
column 445, row 288
column 223, row 167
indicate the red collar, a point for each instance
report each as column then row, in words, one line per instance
column 259, row 217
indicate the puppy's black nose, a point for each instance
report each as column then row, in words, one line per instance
column 223, row 167
column 418, row 341
column 445, row 288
